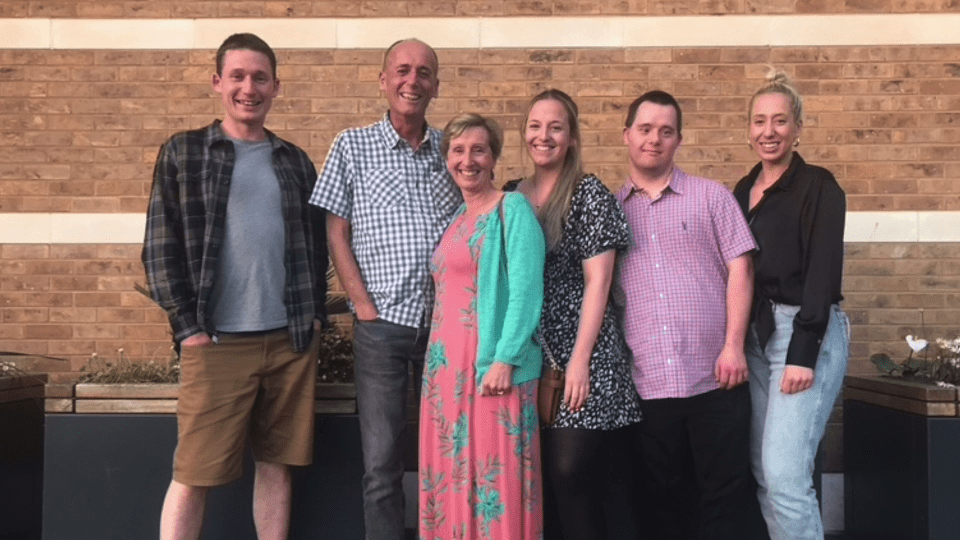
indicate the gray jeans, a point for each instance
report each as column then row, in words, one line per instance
column 383, row 352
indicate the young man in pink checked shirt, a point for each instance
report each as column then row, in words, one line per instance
column 686, row 284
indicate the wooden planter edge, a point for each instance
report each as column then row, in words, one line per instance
column 157, row 398
column 913, row 397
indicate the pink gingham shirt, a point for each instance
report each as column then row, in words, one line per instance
column 673, row 282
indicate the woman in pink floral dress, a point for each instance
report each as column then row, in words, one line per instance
column 479, row 444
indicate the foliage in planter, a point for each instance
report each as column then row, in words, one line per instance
column 335, row 364
column 944, row 368
column 102, row 371
column 9, row 369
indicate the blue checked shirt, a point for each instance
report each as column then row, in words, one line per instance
column 398, row 202
column 185, row 229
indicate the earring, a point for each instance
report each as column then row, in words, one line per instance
column 748, row 143
column 796, row 142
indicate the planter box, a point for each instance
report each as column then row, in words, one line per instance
column 21, row 455
column 901, row 465
column 109, row 452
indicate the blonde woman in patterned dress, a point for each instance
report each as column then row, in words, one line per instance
column 584, row 228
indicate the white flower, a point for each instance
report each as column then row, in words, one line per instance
column 916, row 344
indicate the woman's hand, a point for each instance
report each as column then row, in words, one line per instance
column 498, row 380
column 796, row 379
column 576, row 387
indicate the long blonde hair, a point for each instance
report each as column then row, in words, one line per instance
column 553, row 214
column 777, row 82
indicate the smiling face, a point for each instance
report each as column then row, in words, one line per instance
column 409, row 79
column 548, row 134
column 773, row 128
column 652, row 139
column 247, row 87
column 470, row 160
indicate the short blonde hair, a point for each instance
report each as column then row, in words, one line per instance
column 777, row 82
column 463, row 122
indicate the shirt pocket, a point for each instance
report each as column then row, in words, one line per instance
column 385, row 188
column 445, row 194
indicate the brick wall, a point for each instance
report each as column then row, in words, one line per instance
column 80, row 129
column 441, row 8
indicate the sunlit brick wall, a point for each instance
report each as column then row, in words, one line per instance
column 80, row 129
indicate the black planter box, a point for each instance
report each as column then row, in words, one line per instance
column 902, row 461
column 105, row 477
column 21, row 457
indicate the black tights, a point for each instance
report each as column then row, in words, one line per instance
column 573, row 472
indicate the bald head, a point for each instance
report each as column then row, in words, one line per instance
column 390, row 50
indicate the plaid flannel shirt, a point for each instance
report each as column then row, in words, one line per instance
column 185, row 228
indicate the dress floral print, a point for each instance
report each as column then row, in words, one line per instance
column 479, row 455
column 595, row 224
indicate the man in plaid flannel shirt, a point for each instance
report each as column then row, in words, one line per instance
column 236, row 256
column 388, row 198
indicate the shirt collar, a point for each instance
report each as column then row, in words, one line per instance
column 393, row 139
column 214, row 135
column 677, row 184
column 786, row 182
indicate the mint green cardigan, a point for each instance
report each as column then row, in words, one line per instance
column 509, row 302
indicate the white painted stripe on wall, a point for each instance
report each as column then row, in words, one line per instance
column 902, row 227
column 122, row 34
column 293, row 33
column 25, row 33
column 72, row 228
column 455, row 33
column 497, row 32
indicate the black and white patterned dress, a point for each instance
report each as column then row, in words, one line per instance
column 595, row 224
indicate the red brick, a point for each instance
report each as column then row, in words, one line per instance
column 48, row 331
column 24, row 315
column 73, row 315
column 153, row 332
column 25, row 347
column 73, row 283
column 72, row 347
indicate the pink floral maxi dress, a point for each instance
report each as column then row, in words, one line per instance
column 479, row 455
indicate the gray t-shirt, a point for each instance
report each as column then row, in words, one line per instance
column 249, row 285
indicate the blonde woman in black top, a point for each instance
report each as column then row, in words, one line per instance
column 798, row 340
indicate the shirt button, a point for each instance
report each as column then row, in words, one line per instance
column 653, row 237
column 664, row 329
column 657, row 265
column 669, row 361
column 661, row 296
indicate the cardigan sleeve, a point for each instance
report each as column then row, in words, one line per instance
column 525, row 255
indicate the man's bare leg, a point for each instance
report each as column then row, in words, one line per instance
column 182, row 514
column 271, row 501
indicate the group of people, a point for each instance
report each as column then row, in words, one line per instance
column 689, row 321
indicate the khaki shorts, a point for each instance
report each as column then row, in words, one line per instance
column 247, row 386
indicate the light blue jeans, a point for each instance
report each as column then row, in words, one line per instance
column 786, row 429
